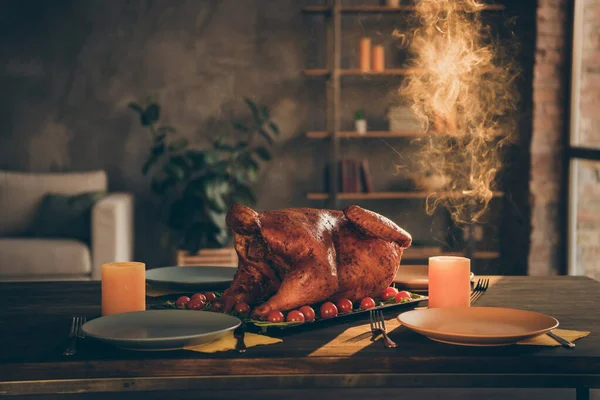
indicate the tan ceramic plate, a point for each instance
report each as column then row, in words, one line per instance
column 414, row 277
column 477, row 326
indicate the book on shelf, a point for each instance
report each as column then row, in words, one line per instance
column 365, row 174
column 354, row 176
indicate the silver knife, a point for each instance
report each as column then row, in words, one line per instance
column 563, row 341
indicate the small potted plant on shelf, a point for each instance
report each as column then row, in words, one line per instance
column 360, row 123
column 195, row 188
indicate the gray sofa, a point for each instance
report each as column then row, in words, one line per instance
column 34, row 258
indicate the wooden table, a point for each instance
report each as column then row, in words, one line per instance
column 35, row 318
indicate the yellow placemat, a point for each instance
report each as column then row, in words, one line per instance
column 545, row 340
column 346, row 343
column 228, row 342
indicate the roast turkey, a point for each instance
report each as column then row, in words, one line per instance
column 292, row 257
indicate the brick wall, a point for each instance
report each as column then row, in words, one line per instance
column 589, row 102
column 549, row 89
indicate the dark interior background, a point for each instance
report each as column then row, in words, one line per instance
column 70, row 67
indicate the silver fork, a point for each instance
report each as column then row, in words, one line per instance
column 75, row 333
column 480, row 288
column 378, row 327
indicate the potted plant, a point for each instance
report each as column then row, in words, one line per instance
column 360, row 122
column 196, row 188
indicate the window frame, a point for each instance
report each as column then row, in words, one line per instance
column 573, row 151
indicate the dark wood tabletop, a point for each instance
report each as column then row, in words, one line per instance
column 35, row 319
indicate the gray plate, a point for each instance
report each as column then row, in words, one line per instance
column 191, row 278
column 160, row 329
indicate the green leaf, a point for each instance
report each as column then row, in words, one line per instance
column 218, row 219
column 252, row 173
column 150, row 115
column 178, row 215
column 166, row 129
column 241, row 145
column 244, row 195
column 216, row 190
column 182, row 162
column 238, row 126
column 247, row 161
column 160, row 187
column 158, row 149
column 240, row 177
column 273, row 324
column 220, row 168
column 265, row 135
column 219, row 144
column 263, row 153
column 178, row 144
column 274, row 128
column 174, row 171
column 216, row 203
column 194, row 237
column 135, row 107
column 157, row 187
column 264, row 112
column 253, row 109
column 221, row 237
column 150, row 161
column 197, row 159
column 211, row 157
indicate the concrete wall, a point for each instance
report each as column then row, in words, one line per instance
column 70, row 67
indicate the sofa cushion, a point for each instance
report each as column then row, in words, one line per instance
column 66, row 217
column 21, row 195
column 33, row 257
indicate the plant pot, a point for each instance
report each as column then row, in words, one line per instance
column 225, row 257
column 361, row 126
column 392, row 3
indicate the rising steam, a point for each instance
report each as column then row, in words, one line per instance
column 462, row 86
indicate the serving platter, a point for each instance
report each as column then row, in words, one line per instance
column 406, row 304
column 356, row 313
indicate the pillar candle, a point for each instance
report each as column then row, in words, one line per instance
column 123, row 287
column 364, row 54
column 378, row 61
column 449, row 282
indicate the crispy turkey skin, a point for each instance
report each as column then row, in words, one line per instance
column 292, row 257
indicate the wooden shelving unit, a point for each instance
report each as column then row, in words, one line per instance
column 324, row 72
column 415, row 253
column 333, row 73
column 368, row 135
column 385, row 195
column 380, row 9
